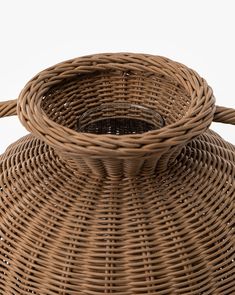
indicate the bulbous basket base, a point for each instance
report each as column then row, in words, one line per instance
column 68, row 232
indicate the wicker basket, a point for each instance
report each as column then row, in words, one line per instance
column 120, row 187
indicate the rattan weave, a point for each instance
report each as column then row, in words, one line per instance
column 151, row 212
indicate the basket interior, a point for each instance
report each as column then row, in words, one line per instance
column 66, row 102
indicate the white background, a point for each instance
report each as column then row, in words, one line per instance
column 38, row 34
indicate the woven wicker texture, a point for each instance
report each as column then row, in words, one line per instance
column 137, row 208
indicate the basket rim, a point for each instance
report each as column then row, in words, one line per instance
column 196, row 120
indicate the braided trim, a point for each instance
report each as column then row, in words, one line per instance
column 197, row 119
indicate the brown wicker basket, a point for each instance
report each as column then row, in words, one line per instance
column 120, row 188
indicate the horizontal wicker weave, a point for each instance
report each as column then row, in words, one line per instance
column 128, row 212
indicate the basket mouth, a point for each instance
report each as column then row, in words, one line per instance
column 119, row 119
column 54, row 101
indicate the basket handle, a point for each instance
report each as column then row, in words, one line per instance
column 222, row 114
column 8, row 108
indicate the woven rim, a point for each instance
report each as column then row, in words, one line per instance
column 195, row 121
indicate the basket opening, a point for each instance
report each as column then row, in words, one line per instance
column 159, row 97
column 119, row 119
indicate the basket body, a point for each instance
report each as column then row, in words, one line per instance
column 117, row 214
